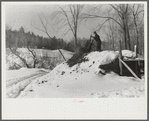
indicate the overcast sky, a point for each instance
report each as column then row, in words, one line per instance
column 18, row 15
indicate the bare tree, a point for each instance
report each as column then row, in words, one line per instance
column 13, row 47
column 44, row 23
column 33, row 53
column 124, row 13
column 111, row 30
column 69, row 18
column 120, row 16
column 111, row 34
column 136, row 10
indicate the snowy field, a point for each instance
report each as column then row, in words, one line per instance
column 80, row 81
column 45, row 57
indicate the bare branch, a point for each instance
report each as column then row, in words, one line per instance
column 102, row 24
column 67, row 19
column 44, row 25
column 116, row 8
column 66, row 32
column 37, row 28
column 96, row 16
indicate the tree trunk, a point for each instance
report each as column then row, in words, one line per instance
column 128, row 40
column 125, row 35
column 35, row 61
column 113, row 42
column 137, row 36
column 76, row 43
column 22, row 59
column 128, row 36
column 62, row 54
column 34, row 56
column 120, row 56
column 125, row 39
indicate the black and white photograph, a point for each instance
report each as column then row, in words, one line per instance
column 74, row 50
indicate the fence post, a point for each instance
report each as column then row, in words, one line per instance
column 120, row 56
column 135, row 49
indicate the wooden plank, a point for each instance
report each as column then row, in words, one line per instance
column 134, row 60
column 129, row 69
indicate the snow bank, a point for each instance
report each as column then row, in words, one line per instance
column 82, row 80
column 95, row 59
column 128, row 53
column 99, row 58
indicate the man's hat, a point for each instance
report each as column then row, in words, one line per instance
column 95, row 32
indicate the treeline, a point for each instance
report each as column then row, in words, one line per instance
column 20, row 38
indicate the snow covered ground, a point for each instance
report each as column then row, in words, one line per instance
column 45, row 57
column 80, row 81
column 18, row 80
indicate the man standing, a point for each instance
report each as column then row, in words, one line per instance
column 98, row 41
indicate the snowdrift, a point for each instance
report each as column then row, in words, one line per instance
column 83, row 80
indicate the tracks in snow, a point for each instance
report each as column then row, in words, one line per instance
column 15, row 86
